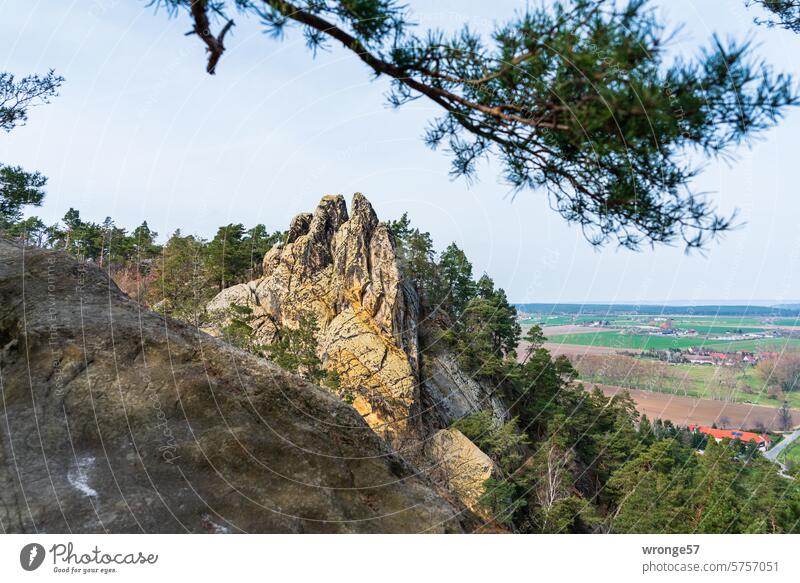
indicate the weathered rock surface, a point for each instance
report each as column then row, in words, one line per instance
column 343, row 269
column 462, row 466
column 115, row 419
column 450, row 394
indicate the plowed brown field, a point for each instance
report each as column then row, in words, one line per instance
column 686, row 410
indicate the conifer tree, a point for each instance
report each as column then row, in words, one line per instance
column 575, row 98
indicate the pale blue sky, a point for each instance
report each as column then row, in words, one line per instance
column 141, row 132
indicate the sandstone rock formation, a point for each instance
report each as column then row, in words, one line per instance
column 343, row 269
column 461, row 465
column 115, row 419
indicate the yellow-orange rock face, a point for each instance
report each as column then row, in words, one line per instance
column 342, row 268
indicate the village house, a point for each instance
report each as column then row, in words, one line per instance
column 762, row 440
column 699, row 359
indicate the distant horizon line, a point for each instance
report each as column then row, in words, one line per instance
column 678, row 303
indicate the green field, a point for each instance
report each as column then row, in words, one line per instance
column 622, row 341
column 786, row 322
column 760, row 344
column 704, row 328
column 703, row 325
column 791, row 454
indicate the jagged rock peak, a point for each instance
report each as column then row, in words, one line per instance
column 329, row 216
column 363, row 211
column 299, row 226
column 343, row 269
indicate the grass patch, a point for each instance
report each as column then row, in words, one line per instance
column 791, row 453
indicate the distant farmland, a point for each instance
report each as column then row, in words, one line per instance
column 613, row 310
column 683, row 392
column 703, row 325
column 626, row 341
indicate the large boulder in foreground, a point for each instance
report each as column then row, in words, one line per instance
column 342, row 268
column 462, row 467
column 115, row 419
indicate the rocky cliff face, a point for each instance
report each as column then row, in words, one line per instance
column 447, row 391
column 342, row 268
column 115, row 419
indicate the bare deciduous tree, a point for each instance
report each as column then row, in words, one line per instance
column 782, row 371
column 785, row 421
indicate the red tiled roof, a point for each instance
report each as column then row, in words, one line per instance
column 730, row 434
